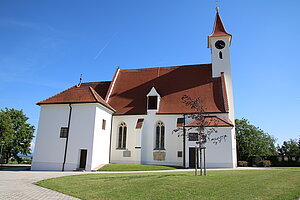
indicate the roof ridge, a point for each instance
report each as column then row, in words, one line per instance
column 101, row 101
column 95, row 94
column 167, row 67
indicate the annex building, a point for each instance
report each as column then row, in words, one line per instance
column 132, row 118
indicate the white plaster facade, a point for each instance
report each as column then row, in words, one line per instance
column 85, row 132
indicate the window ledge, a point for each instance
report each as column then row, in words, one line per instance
column 157, row 149
column 120, row 148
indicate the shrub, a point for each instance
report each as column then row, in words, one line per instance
column 242, row 163
column 265, row 163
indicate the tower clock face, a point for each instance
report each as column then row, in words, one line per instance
column 220, row 44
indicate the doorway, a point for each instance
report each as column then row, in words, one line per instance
column 83, row 154
column 192, row 158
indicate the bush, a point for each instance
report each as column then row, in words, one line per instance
column 242, row 163
column 265, row 163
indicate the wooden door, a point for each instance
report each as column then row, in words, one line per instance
column 192, row 158
column 83, row 154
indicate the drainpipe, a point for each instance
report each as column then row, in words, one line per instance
column 184, row 141
column 111, row 122
column 67, row 139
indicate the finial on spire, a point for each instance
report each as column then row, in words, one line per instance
column 217, row 7
column 80, row 80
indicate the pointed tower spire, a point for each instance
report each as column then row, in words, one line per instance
column 219, row 29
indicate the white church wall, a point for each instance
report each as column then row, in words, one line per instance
column 145, row 138
column 81, row 135
column 85, row 133
column 133, row 140
column 101, row 144
column 173, row 143
column 49, row 147
column 220, row 151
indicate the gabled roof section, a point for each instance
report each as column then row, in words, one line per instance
column 211, row 121
column 219, row 29
column 129, row 94
column 92, row 92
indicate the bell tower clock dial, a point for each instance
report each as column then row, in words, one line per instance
column 220, row 44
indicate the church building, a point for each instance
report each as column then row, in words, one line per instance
column 132, row 118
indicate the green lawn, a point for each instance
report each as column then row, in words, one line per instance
column 135, row 167
column 245, row 184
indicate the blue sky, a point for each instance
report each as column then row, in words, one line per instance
column 46, row 45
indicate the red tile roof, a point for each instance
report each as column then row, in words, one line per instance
column 93, row 92
column 219, row 29
column 212, row 121
column 131, row 87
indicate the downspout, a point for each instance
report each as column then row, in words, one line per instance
column 184, row 141
column 67, row 139
column 111, row 122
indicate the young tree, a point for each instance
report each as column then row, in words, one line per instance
column 15, row 134
column 253, row 141
column 289, row 148
column 203, row 133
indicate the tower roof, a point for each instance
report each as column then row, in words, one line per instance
column 219, row 30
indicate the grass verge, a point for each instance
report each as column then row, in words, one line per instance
column 136, row 167
column 244, row 184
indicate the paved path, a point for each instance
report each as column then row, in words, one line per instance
column 16, row 185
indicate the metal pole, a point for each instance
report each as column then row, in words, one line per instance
column 184, row 133
column 204, row 161
column 200, row 161
column 196, row 157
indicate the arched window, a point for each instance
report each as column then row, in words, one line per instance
column 220, row 55
column 160, row 136
column 122, row 136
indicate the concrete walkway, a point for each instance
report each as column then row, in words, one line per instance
column 19, row 184
column 16, row 185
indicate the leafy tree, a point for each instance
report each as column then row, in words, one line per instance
column 15, row 134
column 289, row 148
column 252, row 141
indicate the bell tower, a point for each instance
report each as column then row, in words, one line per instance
column 219, row 42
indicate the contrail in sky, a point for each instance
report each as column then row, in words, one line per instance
column 104, row 47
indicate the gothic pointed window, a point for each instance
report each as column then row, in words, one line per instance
column 220, row 55
column 122, row 136
column 160, row 136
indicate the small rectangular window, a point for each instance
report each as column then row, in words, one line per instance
column 139, row 123
column 180, row 122
column 103, row 124
column 193, row 136
column 179, row 154
column 152, row 102
column 64, row 132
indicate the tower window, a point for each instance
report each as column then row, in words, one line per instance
column 220, row 55
column 152, row 102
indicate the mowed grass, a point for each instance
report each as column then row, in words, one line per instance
column 246, row 184
column 135, row 167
